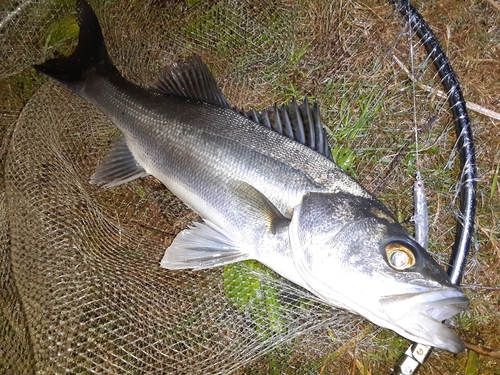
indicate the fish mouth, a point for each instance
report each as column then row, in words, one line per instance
column 419, row 316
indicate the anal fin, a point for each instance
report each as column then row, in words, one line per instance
column 118, row 166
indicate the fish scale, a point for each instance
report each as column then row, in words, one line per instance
column 177, row 146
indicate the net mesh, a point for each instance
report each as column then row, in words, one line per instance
column 81, row 287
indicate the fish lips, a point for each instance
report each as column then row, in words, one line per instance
column 419, row 316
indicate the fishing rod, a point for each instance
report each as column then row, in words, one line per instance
column 417, row 354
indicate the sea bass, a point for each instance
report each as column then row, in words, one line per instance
column 261, row 194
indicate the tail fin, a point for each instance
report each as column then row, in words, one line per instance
column 90, row 52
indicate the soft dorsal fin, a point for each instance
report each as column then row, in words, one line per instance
column 190, row 79
column 301, row 123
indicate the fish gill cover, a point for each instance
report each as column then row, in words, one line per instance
column 81, row 287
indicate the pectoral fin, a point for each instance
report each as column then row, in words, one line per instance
column 258, row 210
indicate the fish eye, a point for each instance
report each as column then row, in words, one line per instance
column 399, row 256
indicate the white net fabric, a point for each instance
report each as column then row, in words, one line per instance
column 81, row 287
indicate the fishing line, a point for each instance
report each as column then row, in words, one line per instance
column 414, row 94
column 416, row 354
column 420, row 217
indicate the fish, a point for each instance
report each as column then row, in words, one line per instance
column 265, row 188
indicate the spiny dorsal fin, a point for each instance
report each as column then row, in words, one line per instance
column 191, row 79
column 301, row 123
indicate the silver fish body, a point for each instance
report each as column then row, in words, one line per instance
column 262, row 195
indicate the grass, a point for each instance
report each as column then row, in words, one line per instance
column 246, row 290
column 60, row 34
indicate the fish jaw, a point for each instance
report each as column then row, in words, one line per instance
column 418, row 316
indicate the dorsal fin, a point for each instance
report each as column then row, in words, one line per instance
column 190, row 79
column 302, row 123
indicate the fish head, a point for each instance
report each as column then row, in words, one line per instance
column 352, row 253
